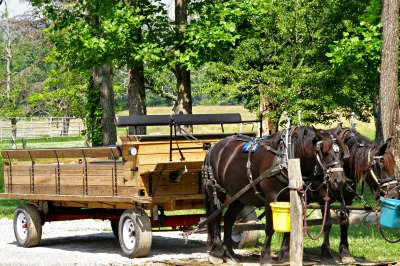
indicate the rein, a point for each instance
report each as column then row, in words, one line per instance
column 270, row 172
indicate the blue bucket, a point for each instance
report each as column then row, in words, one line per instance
column 390, row 213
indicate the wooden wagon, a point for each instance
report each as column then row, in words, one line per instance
column 132, row 184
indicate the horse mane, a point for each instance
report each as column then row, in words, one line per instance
column 389, row 162
column 307, row 136
column 359, row 147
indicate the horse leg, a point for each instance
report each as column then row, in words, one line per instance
column 229, row 220
column 345, row 254
column 214, row 242
column 284, row 255
column 326, row 253
column 266, row 258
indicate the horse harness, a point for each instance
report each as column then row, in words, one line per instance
column 375, row 168
column 283, row 153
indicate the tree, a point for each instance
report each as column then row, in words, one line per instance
column 388, row 91
column 278, row 57
column 76, row 30
column 181, row 71
column 356, row 60
column 92, row 32
column 23, row 49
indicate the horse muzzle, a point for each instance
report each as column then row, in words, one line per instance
column 337, row 178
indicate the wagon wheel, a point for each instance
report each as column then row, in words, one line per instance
column 114, row 227
column 27, row 225
column 245, row 239
column 135, row 234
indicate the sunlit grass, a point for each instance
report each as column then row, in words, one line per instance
column 365, row 242
column 8, row 206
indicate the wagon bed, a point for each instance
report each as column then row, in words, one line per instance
column 141, row 176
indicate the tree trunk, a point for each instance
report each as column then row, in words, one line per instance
column 13, row 133
column 269, row 126
column 9, row 55
column 103, row 82
column 388, row 91
column 182, row 74
column 136, row 95
column 378, row 122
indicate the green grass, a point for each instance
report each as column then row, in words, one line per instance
column 8, row 206
column 365, row 242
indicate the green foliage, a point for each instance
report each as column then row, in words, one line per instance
column 356, row 60
column 89, row 33
column 63, row 94
column 278, row 54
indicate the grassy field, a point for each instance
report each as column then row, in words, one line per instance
column 365, row 240
column 368, row 129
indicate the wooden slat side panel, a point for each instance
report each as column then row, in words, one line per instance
column 144, row 160
column 188, row 185
column 160, row 147
column 62, row 153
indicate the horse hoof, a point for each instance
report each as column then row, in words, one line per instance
column 230, row 261
column 266, row 264
column 215, row 260
column 348, row 260
column 328, row 261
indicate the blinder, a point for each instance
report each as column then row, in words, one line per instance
column 328, row 168
column 379, row 167
column 346, row 152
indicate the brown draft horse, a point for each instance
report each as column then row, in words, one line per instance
column 227, row 169
column 367, row 162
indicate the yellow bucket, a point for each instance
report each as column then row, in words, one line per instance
column 281, row 216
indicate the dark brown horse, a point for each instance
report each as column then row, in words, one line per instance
column 367, row 162
column 228, row 169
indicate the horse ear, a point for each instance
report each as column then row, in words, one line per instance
column 318, row 134
column 385, row 146
column 337, row 130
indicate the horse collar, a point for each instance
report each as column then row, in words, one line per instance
column 344, row 132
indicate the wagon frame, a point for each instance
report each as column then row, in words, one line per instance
column 131, row 184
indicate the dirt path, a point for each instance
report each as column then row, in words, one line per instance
column 91, row 242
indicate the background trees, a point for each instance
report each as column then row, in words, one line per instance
column 316, row 56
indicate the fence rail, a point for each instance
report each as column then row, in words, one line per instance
column 42, row 127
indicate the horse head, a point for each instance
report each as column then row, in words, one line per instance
column 327, row 150
column 330, row 152
column 382, row 171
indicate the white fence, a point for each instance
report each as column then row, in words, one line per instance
column 42, row 127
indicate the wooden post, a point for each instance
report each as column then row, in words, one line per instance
column 296, row 214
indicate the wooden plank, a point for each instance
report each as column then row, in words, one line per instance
column 180, row 119
column 190, row 166
column 95, row 204
column 187, row 179
column 77, row 198
column 296, row 213
column 62, row 153
column 164, row 147
column 162, row 158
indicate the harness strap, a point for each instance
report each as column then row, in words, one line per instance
column 249, row 173
column 270, row 172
